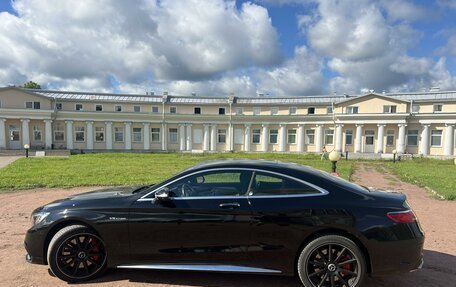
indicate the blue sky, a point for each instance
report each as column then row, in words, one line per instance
column 217, row 47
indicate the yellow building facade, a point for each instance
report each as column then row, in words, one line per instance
column 408, row 123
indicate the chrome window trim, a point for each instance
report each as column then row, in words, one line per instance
column 253, row 170
column 201, row 267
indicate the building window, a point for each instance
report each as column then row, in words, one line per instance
column 292, row 111
column 117, row 108
column 137, row 109
column 329, row 137
column 415, row 108
column 155, row 135
column 349, row 137
column 79, row 107
column 273, row 136
column 256, row 111
column 329, row 110
column 99, row 134
column 390, row 138
column 172, row 110
column 154, row 109
column 33, row 105
column 239, row 111
column 173, row 135
column 221, row 111
column 98, row 108
column 436, row 138
column 256, row 136
column 310, row 136
column 274, row 111
column 118, row 135
column 352, row 110
column 59, row 132
column 197, row 136
column 311, row 110
column 238, row 136
column 137, row 134
column 197, row 110
column 389, row 109
column 79, row 133
column 412, row 137
column 438, row 108
column 221, row 136
column 36, row 133
column 291, row 136
column 58, row 106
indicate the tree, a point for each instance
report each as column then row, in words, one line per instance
column 30, row 85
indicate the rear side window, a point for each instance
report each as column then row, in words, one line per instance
column 268, row 184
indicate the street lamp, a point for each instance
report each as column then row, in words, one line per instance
column 394, row 155
column 26, row 147
column 334, row 157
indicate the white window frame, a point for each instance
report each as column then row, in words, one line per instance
column 133, row 134
column 200, row 110
column 171, row 108
column 221, row 132
column 152, row 133
column 115, row 108
column 274, row 111
column 328, row 133
column 293, row 133
column 389, row 135
column 436, row 105
column 350, row 110
column 95, row 107
column 349, row 132
column 438, row 135
column 238, row 136
column 314, row 110
column 292, row 111
column 119, row 130
column 103, row 132
column 136, row 106
column 310, row 132
column 256, row 132
column 173, row 132
column 33, row 107
column 388, row 109
column 57, row 106
column 329, row 110
column 197, row 136
column 155, row 107
column 276, row 134
column 57, row 129
column 416, row 108
column 256, row 111
column 37, row 130
column 412, row 135
column 239, row 111
column 76, row 107
column 76, row 131
column 224, row 110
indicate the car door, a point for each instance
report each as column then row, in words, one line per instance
column 206, row 220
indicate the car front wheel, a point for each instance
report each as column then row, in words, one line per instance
column 76, row 254
column 331, row 261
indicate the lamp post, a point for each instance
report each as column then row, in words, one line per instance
column 394, row 156
column 334, row 157
column 26, row 147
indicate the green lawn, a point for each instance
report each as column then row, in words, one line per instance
column 438, row 175
column 127, row 168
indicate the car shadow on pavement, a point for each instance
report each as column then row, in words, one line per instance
column 438, row 270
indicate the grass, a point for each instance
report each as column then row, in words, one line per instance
column 437, row 175
column 128, row 168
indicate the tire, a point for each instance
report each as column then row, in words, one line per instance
column 76, row 254
column 344, row 266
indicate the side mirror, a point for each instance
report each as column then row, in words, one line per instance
column 162, row 194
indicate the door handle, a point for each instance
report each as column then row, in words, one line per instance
column 231, row 205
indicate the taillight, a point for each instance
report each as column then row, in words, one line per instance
column 402, row 216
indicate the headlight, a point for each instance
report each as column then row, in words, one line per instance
column 38, row 217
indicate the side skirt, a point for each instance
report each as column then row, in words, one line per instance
column 202, row 267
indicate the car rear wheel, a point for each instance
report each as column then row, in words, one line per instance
column 76, row 254
column 331, row 261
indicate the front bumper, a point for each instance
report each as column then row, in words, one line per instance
column 34, row 245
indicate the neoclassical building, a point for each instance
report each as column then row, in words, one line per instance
column 415, row 123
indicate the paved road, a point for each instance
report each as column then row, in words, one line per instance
column 6, row 160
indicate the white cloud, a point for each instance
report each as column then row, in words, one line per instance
column 405, row 10
column 447, row 3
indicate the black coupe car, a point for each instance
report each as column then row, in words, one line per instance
column 232, row 216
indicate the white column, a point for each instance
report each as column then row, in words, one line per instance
column 401, row 139
column 230, row 142
column 319, row 138
column 89, row 135
column 265, row 140
column 283, row 137
column 108, row 135
column 214, row 138
column 127, row 135
column 2, row 134
column 380, row 136
column 146, row 141
column 206, row 138
column 448, row 148
column 339, row 136
column 301, row 140
column 247, row 138
column 189, row 137
column 358, row 138
column 25, row 131
column 48, row 132
column 182, row 137
column 69, row 134
column 424, row 144
column 164, row 137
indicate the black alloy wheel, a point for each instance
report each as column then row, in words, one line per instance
column 76, row 254
column 331, row 261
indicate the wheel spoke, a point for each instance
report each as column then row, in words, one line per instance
column 322, row 256
column 323, row 280
column 340, row 255
column 347, row 262
column 86, row 242
column 86, row 267
column 317, row 263
column 342, row 279
column 331, row 277
column 316, row 273
column 329, row 253
column 93, row 262
column 345, row 271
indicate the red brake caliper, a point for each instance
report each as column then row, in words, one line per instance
column 95, row 249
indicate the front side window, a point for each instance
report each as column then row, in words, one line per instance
column 99, row 134
column 173, row 135
column 137, row 134
column 79, row 107
column 273, row 135
column 36, row 133
column 349, row 137
column 118, row 134
column 212, row 183
column 221, row 136
column 292, row 136
column 265, row 184
column 329, row 137
column 59, row 132
column 79, row 133
column 256, row 136
column 98, row 108
column 412, row 137
column 155, row 132
column 310, row 136
column 390, row 137
column 436, row 138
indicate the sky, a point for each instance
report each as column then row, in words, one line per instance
column 219, row 47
